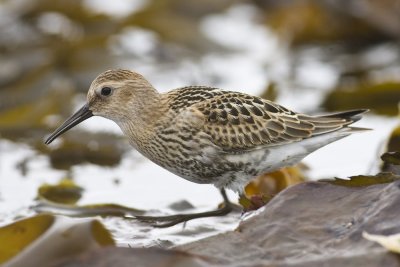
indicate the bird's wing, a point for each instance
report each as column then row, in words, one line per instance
column 238, row 122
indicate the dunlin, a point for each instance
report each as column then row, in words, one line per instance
column 207, row 135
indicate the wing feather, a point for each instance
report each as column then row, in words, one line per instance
column 239, row 122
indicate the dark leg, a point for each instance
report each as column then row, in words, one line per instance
column 167, row 221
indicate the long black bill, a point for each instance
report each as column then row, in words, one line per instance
column 79, row 116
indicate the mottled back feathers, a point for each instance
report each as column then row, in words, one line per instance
column 236, row 121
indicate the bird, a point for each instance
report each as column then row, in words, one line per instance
column 207, row 135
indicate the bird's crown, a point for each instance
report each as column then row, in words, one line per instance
column 117, row 75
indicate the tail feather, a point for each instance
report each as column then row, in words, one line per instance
column 336, row 121
column 358, row 129
column 350, row 115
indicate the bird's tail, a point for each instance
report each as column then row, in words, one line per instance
column 336, row 121
column 351, row 115
column 332, row 127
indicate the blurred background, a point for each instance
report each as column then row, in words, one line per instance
column 312, row 56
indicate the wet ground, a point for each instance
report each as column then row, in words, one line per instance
column 53, row 56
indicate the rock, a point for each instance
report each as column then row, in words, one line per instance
column 43, row 239
column 128, row 257
column 181, row 205
column 312, row 224
column 309, row 224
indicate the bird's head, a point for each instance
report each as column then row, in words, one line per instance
column 118, row 95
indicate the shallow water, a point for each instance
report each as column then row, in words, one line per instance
column 251, row 58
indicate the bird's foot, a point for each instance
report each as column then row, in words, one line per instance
column 167, row 221
column 254, row 202
column 171, row 220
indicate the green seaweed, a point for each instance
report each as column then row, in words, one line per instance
column 381, row 98
column 364, row 180
column 65, row 192
column 391, row 158
column 100, row 209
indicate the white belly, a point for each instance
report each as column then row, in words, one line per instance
column 269, row 159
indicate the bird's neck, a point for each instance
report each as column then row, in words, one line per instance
column 139, row 128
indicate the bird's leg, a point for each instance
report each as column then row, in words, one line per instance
column 167, row 221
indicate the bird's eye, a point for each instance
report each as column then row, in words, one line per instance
column 105, row 91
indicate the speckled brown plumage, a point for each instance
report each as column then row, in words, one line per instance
column 237, row 121
column 208, row 135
